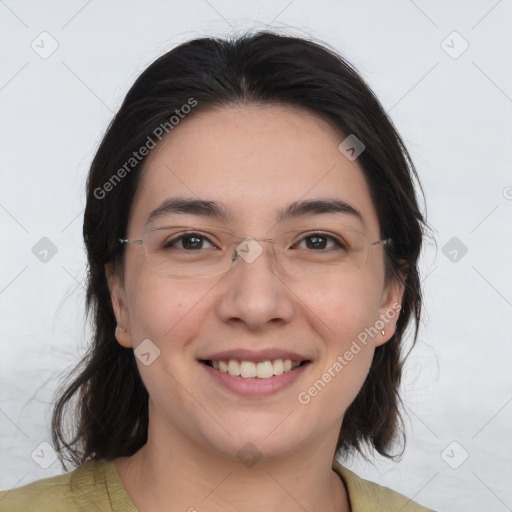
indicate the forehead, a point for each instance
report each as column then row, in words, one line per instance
column 255, row 160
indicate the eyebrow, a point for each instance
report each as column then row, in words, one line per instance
column 317, row 207
column 199, row 207
column 219, row 211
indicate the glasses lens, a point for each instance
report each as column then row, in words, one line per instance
column 342, row 250
column 187, row 252
column 190, row 252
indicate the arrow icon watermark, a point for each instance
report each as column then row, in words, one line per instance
column 146, row 352
column 351, row 147
column 44, row 250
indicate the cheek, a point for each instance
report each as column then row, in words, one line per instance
column 342, row 315
column 341, row 311
column 160, row 307
column 168, row 313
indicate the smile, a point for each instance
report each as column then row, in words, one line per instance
column 249, row 369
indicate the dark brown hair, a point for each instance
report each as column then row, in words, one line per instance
column 107, row 396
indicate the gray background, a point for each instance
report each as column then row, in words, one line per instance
column 454, row 112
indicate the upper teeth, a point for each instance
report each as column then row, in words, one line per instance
column 262, row 370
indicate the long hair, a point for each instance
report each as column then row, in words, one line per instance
column 103, row 411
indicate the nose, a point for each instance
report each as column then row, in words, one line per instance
column 254, row 293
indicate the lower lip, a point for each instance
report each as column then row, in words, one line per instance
column 254, row 386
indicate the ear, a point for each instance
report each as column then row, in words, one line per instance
column 119, row 304
column 389, row 310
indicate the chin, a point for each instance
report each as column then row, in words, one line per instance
column 256, row 439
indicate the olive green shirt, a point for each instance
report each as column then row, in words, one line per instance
column 96, row 487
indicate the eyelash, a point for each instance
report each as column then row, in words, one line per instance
column 171, row 242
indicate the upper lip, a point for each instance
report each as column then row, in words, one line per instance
column 254, row 356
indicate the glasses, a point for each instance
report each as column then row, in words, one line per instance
column 195, row 252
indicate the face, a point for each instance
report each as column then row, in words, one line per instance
column 254, row 161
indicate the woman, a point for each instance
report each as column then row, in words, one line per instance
column 252, row 233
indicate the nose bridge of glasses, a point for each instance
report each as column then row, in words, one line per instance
column 249, row 248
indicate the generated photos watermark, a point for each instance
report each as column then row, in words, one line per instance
column 342, row 360
column 137, row 156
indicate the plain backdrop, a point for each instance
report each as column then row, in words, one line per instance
column 450, row 96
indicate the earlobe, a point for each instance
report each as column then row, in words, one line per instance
column 118, row 298
column 123, row 337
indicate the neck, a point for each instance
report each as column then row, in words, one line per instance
column 178, row 475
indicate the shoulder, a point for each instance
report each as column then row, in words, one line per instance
column 366, row 496
column 94, row 485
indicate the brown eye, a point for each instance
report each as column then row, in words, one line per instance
column 188, row 241
column 320, row 241
column 316, row 242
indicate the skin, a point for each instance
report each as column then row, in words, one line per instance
column 255, row 160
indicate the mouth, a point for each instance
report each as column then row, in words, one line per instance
column 250, row 369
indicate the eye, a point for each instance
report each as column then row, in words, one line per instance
column 321, row 241
column 188, row 241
